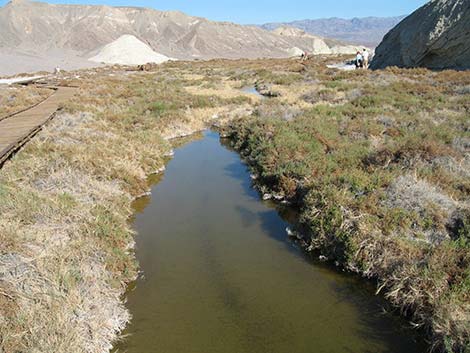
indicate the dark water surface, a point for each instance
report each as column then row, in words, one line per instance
column 222, row 277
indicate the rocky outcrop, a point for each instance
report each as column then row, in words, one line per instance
column 436, row 36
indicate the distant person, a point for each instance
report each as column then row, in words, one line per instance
column 57, row 70
column 359, row 60
column 365, row 58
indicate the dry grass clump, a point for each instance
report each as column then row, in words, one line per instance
column 431, row 206
column 323, row 95
column 16, row 98
column 277, row 110
column 67, row 259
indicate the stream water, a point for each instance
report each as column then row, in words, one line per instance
column 221, row 276
column 251, row 90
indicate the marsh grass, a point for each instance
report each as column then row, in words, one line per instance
column 16, row 98
column 66, row 250
column 378, row 166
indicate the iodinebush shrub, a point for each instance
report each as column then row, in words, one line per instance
column 382, row 183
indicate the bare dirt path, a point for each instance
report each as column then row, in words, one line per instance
column 17, row 129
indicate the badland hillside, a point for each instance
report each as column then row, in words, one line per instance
column 34, row 35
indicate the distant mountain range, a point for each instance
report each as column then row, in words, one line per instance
column 37, row 35
column 366, row 31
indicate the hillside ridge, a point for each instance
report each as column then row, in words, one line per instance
column 35, row 29
column 358, row 30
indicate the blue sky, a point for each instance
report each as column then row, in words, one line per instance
column 261, row 11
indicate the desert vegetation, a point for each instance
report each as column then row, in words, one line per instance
column 65, row 242
column 16, row 98
column 378, row 164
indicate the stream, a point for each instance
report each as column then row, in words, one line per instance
column 220, row 274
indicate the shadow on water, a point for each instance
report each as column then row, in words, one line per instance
column 350, row 289
column 239, row 171
column 222, row 276
column 353, row 289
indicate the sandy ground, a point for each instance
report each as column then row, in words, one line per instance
column 12, row 63
column 10, row 81
column 342, row 66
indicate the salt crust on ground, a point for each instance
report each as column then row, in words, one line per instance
column 128, row 50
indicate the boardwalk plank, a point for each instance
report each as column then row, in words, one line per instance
column 17, row 128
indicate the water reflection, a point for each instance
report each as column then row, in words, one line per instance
column 221, row 275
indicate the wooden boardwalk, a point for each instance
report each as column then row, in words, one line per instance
column 16, row 130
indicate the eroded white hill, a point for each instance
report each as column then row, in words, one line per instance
column 128, row 50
